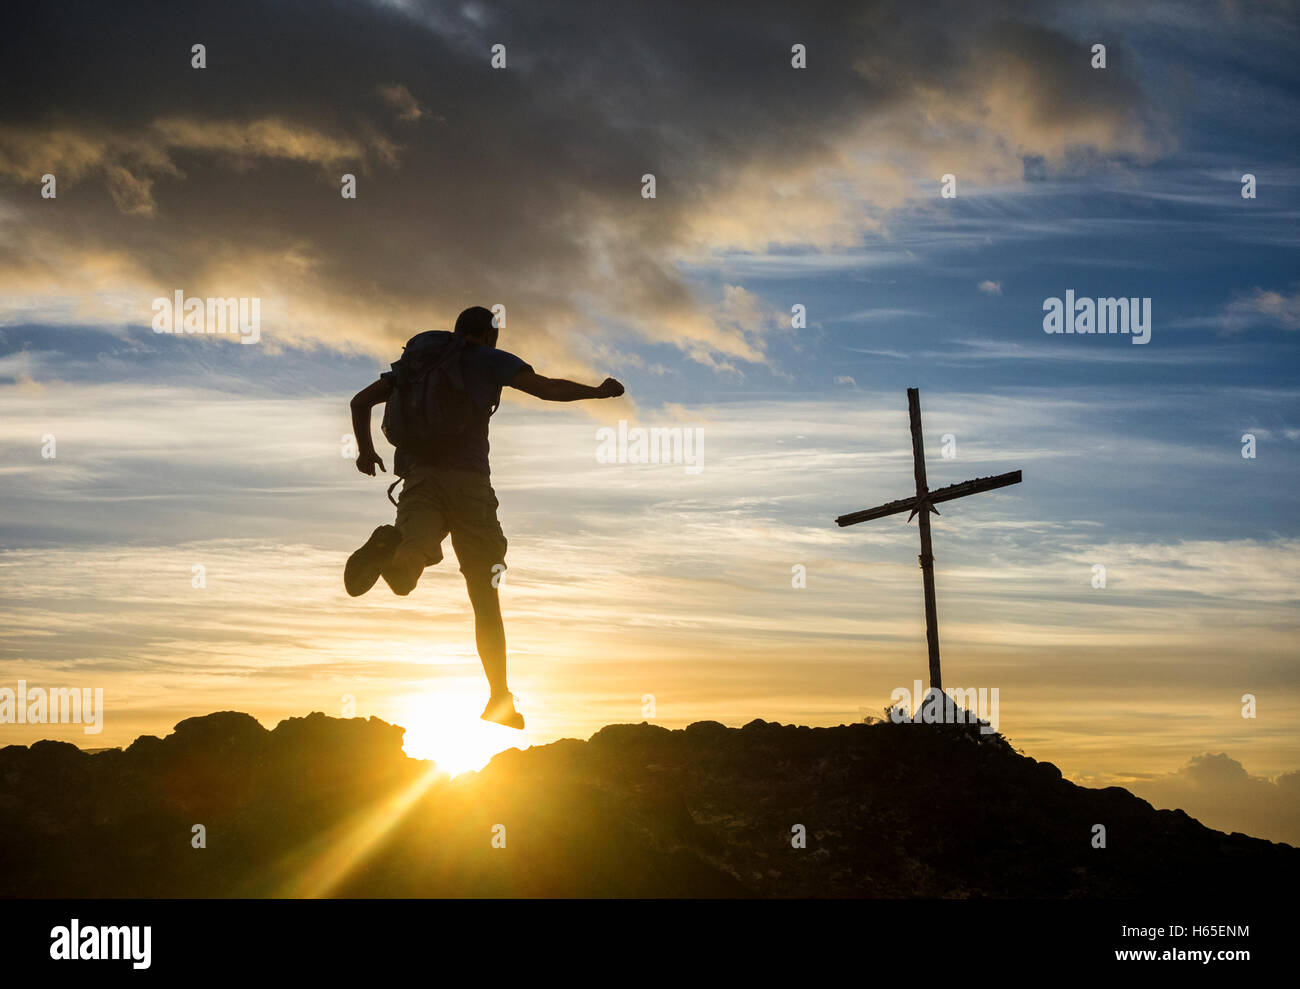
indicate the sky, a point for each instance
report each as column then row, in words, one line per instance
column 649, row 591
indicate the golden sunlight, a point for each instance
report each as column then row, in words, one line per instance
column 444, row 725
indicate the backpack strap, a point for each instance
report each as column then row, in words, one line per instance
column 450, row 363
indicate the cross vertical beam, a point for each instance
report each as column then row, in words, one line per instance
column 922, row 503
column 923, row 510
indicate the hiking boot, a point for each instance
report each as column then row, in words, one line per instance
column 364, row 566
column 501, row 710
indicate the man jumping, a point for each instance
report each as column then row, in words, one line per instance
column 440, row 407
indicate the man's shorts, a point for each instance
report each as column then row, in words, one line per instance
column 436, row 501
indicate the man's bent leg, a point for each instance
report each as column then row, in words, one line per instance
column 421, row 520
column 366, row 564
column 403, row 571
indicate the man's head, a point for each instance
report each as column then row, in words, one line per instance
column 475, row 324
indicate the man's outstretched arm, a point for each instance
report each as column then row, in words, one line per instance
column 362, row 402
column 562, row 390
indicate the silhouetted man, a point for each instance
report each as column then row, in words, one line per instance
column 447, row 488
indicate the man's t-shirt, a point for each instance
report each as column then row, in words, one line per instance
column 485, row 371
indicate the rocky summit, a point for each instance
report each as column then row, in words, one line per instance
column 327, row 807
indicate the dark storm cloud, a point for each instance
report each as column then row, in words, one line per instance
column 522, row 185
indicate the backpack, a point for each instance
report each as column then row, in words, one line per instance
column 428, row 404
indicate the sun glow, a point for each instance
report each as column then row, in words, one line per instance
column 444, row 725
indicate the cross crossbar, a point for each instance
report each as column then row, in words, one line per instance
column 959, row 490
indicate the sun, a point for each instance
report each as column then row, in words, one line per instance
column 444, row 725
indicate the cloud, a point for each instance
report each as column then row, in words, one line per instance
column 990, row 288
column 1262, row 307
column 1217, row 790
column 224, row 181
column 131, row 162
column 400, row 99
column 268, row 138
column 868, row 315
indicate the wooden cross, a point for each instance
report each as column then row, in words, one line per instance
column 922, row 504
